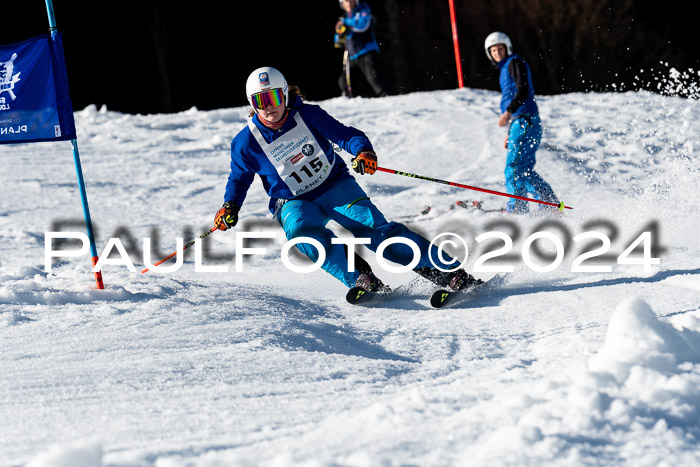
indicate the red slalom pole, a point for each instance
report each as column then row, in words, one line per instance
column 455, row 43
column 560, row 206
column 189, row 244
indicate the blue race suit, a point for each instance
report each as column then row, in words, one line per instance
column 524, row 135
column 359, row 39
column 309, row 185
column 362, row 48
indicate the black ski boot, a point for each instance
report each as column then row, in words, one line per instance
column 433, row 275
column 456, row 280
column 461, row 279
column 370, row 282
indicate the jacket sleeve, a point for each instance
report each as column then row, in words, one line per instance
column 360, row 21
column 241, row 176
column 348, row 138
column 518, row 71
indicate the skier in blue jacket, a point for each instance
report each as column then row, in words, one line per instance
column 355, row 31
column 288, row 144
column 519, row 112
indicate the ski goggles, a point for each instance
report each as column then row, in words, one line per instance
column 273, row 97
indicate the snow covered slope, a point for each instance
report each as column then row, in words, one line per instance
column 271, row 367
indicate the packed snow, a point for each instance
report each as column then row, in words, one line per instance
column 266, row 366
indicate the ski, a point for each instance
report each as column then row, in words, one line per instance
column 360, row 296
column 443, row 297
column 439, row 299
column 474, row 206
column 357, row 295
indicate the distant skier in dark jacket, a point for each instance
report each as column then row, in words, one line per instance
column 288, row 144
column 355, row 31
column 519, row 111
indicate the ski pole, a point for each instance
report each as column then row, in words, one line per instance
column 561, row 205
column 189, row 244
column 346, row 67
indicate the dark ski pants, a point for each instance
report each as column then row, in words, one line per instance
column 368, row 67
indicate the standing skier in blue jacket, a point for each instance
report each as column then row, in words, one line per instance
column 519, row 112
column 288, row 144
column 356, row 31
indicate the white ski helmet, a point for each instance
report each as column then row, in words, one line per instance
column 265, row 79
column 340, row 2
column 497, row 38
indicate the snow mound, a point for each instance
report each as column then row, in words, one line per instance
column 76, row 455
column 636, row 340
column 644, row 383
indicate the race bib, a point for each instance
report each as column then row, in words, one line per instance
column 297, row 157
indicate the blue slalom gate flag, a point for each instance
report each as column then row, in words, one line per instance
column 34, row 100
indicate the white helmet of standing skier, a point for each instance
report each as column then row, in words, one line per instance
column 266, row 85
column 497, row 38
column 353, row 3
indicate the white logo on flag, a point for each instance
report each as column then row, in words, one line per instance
column 7, row 77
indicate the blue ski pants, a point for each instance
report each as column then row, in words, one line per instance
column 347, row 204
column 524, row 138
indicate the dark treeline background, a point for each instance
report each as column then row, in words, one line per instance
column 151, row 56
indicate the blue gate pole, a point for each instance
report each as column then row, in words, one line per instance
column 79, row 170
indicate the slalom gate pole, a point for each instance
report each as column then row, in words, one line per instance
column 86, row 213
column 52, row 18
column 455, row 43
column 79, row 171
column 189, row 244
column 560, row 206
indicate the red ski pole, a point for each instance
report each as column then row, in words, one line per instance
column 189, row 244
column 467, row 187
